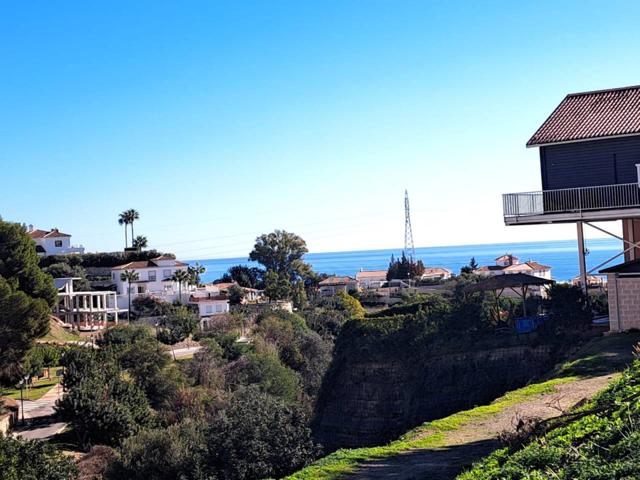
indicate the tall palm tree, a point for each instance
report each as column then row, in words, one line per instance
column 194, row 273
column 133, row 216
column 140, row 242
column 182, row 277
column 123, row 219
column 129, row 276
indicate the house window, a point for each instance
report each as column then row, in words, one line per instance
column 152, row 276
column 208, row 309
column 58, row 243
column 218, row 308
column 113, row 277
column 166, row 273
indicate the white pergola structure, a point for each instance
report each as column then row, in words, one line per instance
column 86, row 311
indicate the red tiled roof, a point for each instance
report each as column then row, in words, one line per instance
column 53, row 233
column 146, row 264
column 592, row 115
column 336, row 281
column 530, row 265
column 371, row 274
column 436, row 271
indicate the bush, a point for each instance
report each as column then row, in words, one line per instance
column 33, row 460
column 258, row 437
column 99, row 404
column 176, row 452
column 266, row 372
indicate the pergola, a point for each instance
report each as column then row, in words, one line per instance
column 519, row 283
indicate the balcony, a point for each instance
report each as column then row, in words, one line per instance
column 600, row 203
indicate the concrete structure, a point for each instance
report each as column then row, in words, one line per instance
column 53, row 242
column 155, row 279
column 85, row 311
column 371, row 278
column 331, row 285
column 624, row 295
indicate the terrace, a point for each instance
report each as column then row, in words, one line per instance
column 598, row 203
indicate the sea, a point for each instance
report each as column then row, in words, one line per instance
column 560, row 255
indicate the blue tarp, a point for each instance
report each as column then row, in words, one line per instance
column 530, row 324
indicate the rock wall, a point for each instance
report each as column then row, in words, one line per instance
column 367, row 403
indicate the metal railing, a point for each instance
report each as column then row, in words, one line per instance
column 571, row 200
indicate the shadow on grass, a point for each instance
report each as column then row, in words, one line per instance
column 600, row 356
column 433, row 464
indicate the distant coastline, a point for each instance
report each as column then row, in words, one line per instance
column 561, row 255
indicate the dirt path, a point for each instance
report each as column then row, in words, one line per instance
column 478, row 438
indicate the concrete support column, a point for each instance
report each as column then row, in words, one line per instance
column 581, row 258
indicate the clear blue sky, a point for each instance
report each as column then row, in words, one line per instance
column 219, row 121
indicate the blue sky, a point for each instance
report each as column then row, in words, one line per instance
column 222, row 120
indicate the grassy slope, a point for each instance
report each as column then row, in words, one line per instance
column 603, row 444
column 58, row 334
column 600, row 356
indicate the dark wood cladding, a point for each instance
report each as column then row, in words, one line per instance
column 590, row 163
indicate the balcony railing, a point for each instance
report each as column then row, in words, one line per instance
column 571, row 200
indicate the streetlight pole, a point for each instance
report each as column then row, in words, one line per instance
column 22, row 400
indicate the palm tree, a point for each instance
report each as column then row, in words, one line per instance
column 133, row 216
column 194, row 273
column 181, row 276
column 123, row 219
column 129, row 276
column 140, row 242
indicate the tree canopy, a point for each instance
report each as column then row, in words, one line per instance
column 404, row 268
column 281, row 252
column 26, row 296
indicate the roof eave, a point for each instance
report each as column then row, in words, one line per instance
column 579, row 140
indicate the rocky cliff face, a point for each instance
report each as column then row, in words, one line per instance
column 369, row 402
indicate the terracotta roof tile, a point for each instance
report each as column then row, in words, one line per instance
column 336, row 281
column 592, row 115
column 371, row 274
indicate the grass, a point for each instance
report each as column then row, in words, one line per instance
column 428, row 435
column 36, row 391
column 58, row 334
column 599, row 356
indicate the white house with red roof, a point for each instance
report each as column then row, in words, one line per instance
column 371, row 278
column 334, row 284
column 507, row 263
column 155, row 278
column 53, row 242
column 436, row 274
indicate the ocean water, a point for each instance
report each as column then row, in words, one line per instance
column 560, row 255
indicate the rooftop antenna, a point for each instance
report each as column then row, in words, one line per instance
column 409, row 249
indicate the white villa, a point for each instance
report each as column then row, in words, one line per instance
column 155, row 278
column 371, row 278
column 436, row 273
column 508, row 263
column 86, row 311
column 53, row 242
column 331, row 285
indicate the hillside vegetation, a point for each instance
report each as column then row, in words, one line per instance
column 455, row 441
column 598, row 441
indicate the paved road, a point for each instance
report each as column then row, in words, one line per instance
column 41, row 422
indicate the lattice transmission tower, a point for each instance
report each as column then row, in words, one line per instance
column 409, row 249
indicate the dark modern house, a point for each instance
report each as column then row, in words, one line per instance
column 590, row 170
